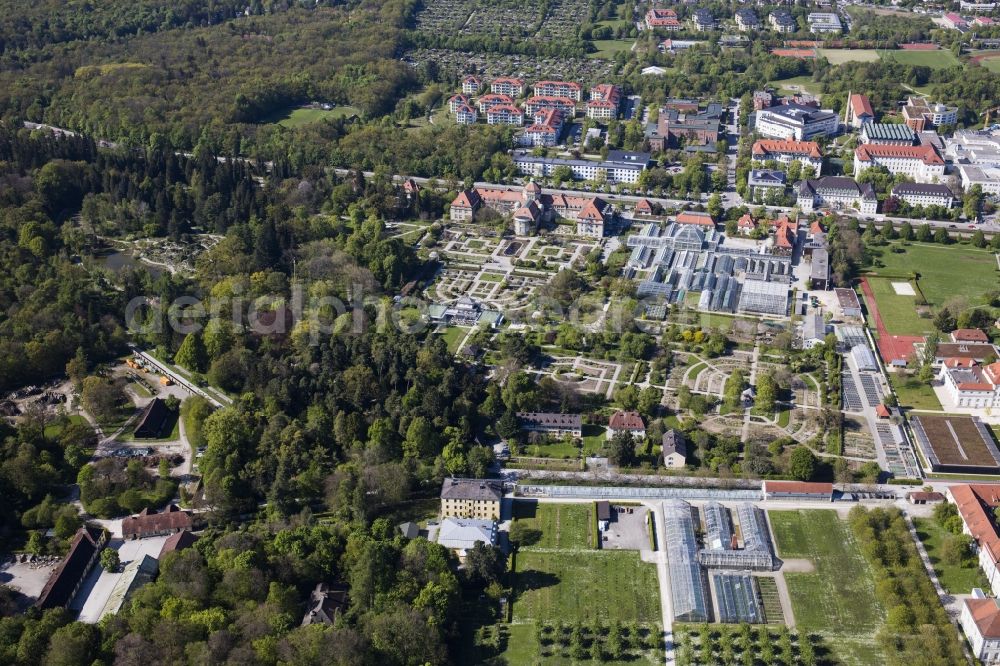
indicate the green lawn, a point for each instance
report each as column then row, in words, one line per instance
column 899, row 312
column 54, row 429
column 939, row 59
column 306, row 116
column 956, row 579
column 796, row 84
column 945, row 270
column 837, row 599
column 453, row 336
column 914, row 393
column 608, row 48
column 840, row 56
column 588, row 587
column 564, row 526
column 992, row 64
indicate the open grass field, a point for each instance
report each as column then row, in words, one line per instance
column 55, row 429
column 992, row 64
column 453, row 336
column 944, row 270
column 796, row 84
column 956, row 578
column 564, row 526
column 939, row 59
column 914, row 394
column 588, row 587
column 837, row 599
column 840, row 56
column 306, row 116
column 608, row 48
column 899, row 312
column 955, row 440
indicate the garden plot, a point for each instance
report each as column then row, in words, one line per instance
column 858, row 440
column 586, row 375
column 585, row 71
column 460, row 244
column 556, row 19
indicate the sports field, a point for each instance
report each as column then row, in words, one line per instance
column 944, row 271
column 836, row 600
column 938, row 59
column 840, row 56
column 899, row 312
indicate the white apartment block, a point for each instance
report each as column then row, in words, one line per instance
column 505, row 115
column 568, row 89
column 987, row 178
column 466, row 115
column 471, row 85
column 507, row 86
column 921, row 163
column 824, row 22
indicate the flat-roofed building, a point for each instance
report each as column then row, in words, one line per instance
column 795, row 121
column 824, row 22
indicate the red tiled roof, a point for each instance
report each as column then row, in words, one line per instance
column 689, row 217
column 150, row 522
column 466, row 199
column 861, row 106
column 972, row 501
column 746, row 221
column 882, row 411
column 866, row 152
column 807, row 148
column 644, row 206
column 969, row 335
column 621, row 420
column 986, row 614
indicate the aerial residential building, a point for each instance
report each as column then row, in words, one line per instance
column 487, row 102
column 674, row 449
column 505, row 114
column 466, row 115
column 551, row 423
column 786, row 152
column 630, row 422
column 746, row 20
column 971, row 386
column 969, row 335
column 924, row 194
column 619, row 167
column 782, row 21
column 921, row 163
column 954, row 21
column 795, row 121
column 887, row 134
column 980, row 620
column 545, row 129
column 786, row 234
column 836, row 192
column 538, row 103
column 824, row 22
column 568, row 89
column 919, row 114
column 761, row 182
column 859, row 111
column 507, row 86
column 662, row 19
column 471, row 498
column 975, row 503
column 703, row 20
column 471, row 85
column 456, row 101
column 604, row 101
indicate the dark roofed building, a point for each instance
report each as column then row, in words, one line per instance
column 326, row 603
column 551, row 422
column 65, row 581
column 154, row 421
column 178, row 541
column 924, row 194
column 152, row 523
column 471, row 498
column 674, row 449
column 603, row 515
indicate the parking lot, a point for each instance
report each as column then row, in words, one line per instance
column 628, row 529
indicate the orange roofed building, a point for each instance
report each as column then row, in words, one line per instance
column 529, row 207
column 980, row 619
column 975, row 504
